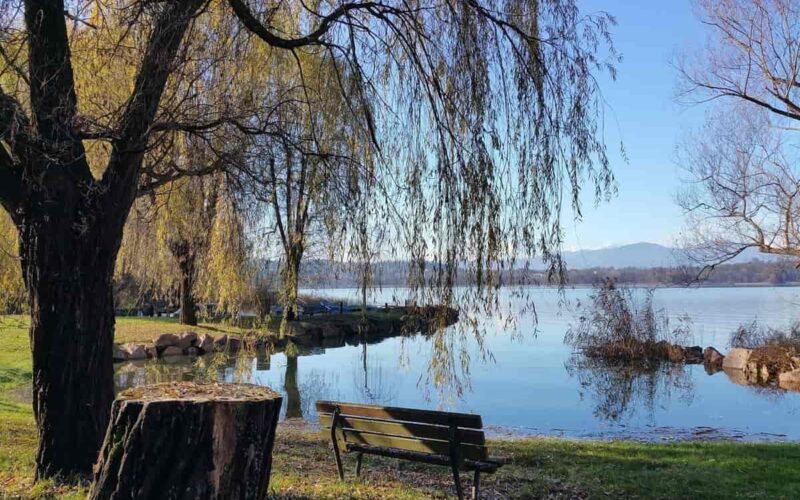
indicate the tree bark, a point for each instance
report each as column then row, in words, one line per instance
column 68, row 269
column 190, row 441
column 70, row 226
column 185, row 257
column 188, row 302
column 291, row 284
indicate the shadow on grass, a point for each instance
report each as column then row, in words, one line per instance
column 552, row 468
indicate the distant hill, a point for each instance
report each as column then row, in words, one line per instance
column 643, row 256
column 635, row 263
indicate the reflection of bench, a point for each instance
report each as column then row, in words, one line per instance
column 434, row 437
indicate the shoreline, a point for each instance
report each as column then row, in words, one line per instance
column 578, row 286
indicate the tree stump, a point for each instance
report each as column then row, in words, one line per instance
column 188, row 440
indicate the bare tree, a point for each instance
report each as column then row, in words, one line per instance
column 743, row 188
column 752, row 55
column 742, row 176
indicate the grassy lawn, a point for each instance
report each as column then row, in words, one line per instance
column 132, row 329
column 541, row 468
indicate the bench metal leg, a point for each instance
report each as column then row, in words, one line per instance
column 457, row 480
column 335, row 442
column 476, row 485
column 455, row 459
column 359, row 457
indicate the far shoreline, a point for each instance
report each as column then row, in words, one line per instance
column 580, row 286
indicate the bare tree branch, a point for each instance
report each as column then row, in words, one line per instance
column 121, row 176
column 250, row 21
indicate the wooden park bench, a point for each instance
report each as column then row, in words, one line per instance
column 433, row 437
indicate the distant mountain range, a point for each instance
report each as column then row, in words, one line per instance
column 643, row 256
column 640, row 262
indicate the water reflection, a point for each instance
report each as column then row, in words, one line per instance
column 532, row 385
column 370, row 380
column 294, row 407
column 617, row 391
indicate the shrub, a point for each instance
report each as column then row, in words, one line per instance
column 621, row 324
column 753, row 336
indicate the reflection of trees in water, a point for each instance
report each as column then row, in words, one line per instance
column 301, row 395
column 216, row 367
column 374, row 384
column 294, row 407
column 316, row 385
column 619, row 391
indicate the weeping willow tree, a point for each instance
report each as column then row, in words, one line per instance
column 481, row 117
column 187, row 240
column 482, row 123
column 314, row 172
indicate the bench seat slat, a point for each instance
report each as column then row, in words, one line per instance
column 404, row 429
column 429, row 458
column 468, row 451
column 465, row 420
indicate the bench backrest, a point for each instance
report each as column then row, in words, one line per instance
column 423, row 431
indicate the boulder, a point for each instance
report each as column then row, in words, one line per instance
column 222, row 341
column 789, row 380
column 737, row 359
column 187, row 340
column 172, row 351
column 757, row 373
column 675, row 353
column 136, row 351
column 152, row 351
column 166, row 340
column 693, row 354
column 192, row 351
column 302, row 329
column 205, row 342
column 234, row 344
column 118, row 353
column 764, row 374
column 736, row 376
column 713, row 357
column 330, row 331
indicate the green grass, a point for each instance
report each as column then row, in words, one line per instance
column 133, row 329
column 541, row 468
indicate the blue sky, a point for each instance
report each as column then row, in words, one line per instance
column 643, row 113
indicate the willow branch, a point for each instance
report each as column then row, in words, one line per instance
column 249, row 20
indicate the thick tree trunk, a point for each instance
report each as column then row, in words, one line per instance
column 68, row 270
column 70, row 226
column 190, row 441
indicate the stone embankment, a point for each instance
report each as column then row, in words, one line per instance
column 767, row 365
column 770, row 365
column 184, row 344
column 316, row 330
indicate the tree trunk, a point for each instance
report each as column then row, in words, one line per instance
column 188, row 303
column 189, row 440
column 291, row 284
column 68, row 270
column 185, row 257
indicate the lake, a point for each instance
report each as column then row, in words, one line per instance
column 523, row 380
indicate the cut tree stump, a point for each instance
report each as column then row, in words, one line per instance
column 188, row 440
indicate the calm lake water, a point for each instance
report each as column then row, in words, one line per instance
column 524, row 380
